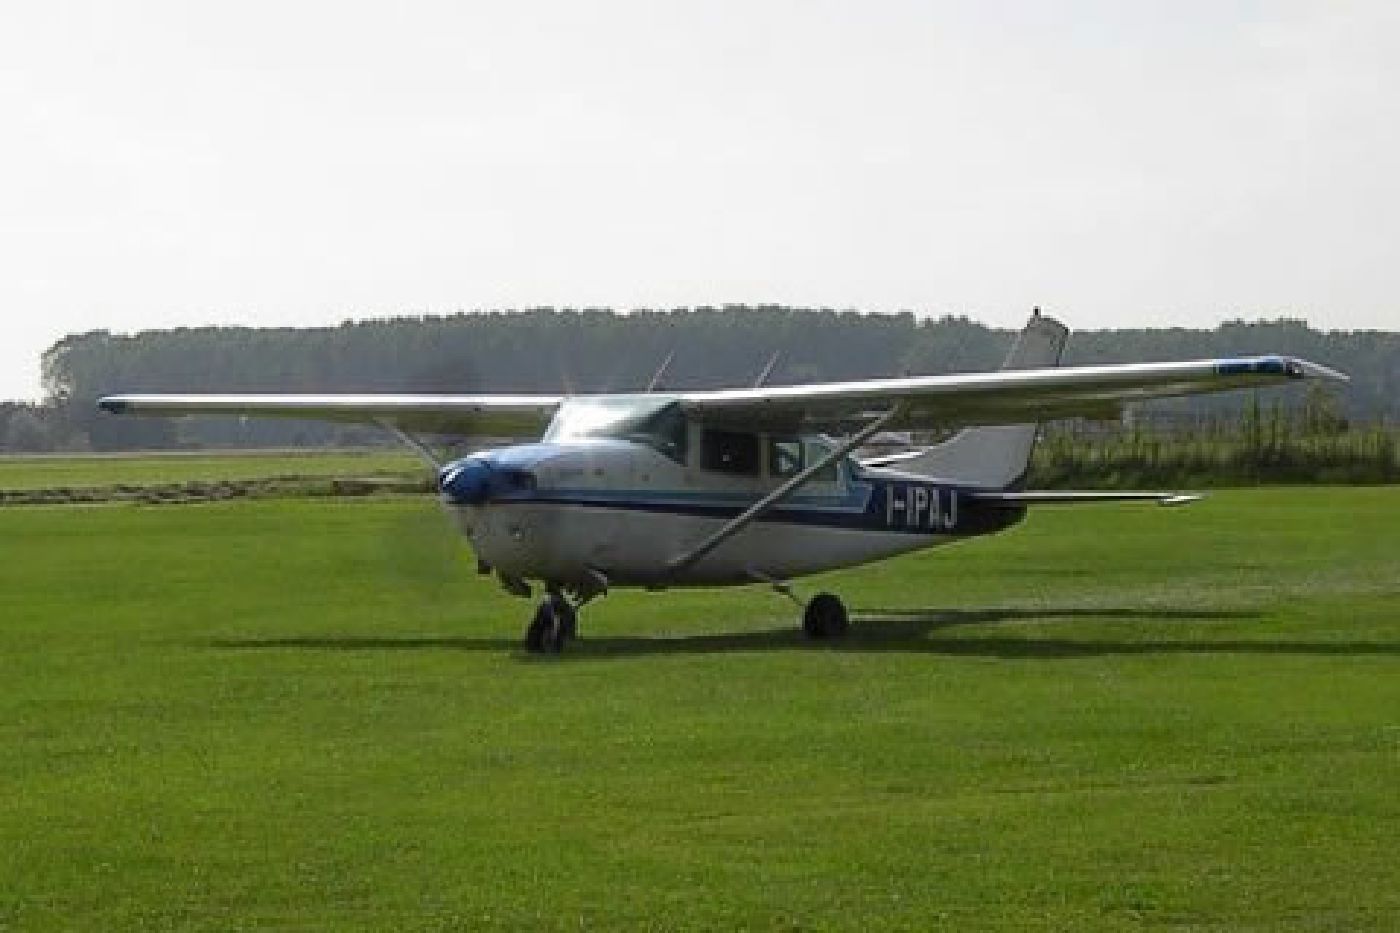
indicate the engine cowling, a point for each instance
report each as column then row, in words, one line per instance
column 466, row 482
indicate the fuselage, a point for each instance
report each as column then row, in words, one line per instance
column 577, row 507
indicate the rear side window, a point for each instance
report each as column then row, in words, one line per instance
column 815, row 451
column 784, row 457
column 729, row 452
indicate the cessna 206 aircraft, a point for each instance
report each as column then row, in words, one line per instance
column 736, row 486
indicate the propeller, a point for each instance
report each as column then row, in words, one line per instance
column 421, row 548
column 466, row 481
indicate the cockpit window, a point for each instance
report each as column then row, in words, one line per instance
column 665, row 431
column 729, row 452
column 653, row 420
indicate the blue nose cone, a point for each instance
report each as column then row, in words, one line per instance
column 466, row 482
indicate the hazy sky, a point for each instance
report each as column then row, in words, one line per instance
column 300, row 163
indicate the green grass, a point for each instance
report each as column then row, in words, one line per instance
column 311, row 714
column 78, row 470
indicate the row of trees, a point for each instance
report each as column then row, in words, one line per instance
column 26, row 427
column 544, row 350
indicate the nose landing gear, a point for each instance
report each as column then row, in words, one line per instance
column 554, row 623
column 556, row 620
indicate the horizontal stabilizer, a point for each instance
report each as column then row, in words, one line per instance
column 1079, row 497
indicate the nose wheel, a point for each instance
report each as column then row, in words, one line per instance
column 554, row 623
column 556, row 620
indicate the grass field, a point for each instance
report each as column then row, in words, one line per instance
column 311, row 714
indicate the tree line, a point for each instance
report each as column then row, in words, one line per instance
column 594, row 350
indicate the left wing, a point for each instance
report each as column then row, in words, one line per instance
column 493, row 415
column 1003, row 397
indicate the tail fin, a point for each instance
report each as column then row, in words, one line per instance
column 996, row 456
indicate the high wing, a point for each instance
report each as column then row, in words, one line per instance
column 1007, row 396
column 482, row 415
column 990, row 398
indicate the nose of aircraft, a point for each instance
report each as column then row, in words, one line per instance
column 467, row 481
column 481, row 478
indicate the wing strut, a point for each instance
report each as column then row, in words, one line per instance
column 420, row 448
column 767, row 370
column 746, row 517
column 660, row 371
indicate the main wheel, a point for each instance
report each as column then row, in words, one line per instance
column 546, row 632
column 825, row 617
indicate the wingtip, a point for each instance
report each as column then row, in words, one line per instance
column 1303, row 369
column 112, row 404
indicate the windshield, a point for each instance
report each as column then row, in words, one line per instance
column 654, row 420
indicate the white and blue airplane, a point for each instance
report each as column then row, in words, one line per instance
column 752, row 485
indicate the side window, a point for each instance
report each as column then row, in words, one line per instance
column 784, row 457
column 815, row 451
column 729, row 452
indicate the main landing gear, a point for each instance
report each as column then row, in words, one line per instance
column 825, row 617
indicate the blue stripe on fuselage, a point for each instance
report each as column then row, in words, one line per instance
column 906, row 506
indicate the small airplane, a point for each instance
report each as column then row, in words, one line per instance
column 748, row 485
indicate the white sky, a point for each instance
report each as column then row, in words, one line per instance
column 1121, row 164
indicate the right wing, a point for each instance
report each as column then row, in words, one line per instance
column 483, row 415
column 987, row 398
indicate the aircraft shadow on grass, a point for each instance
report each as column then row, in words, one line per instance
column 913, row 632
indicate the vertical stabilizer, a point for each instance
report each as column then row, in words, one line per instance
column 996, row 456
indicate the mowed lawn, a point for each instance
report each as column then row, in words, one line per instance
column 312, row 714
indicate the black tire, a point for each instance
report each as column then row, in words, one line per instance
column 568, row 621
column 825, row 617
column 545, row 634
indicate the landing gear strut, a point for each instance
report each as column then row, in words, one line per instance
column 825, row 617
